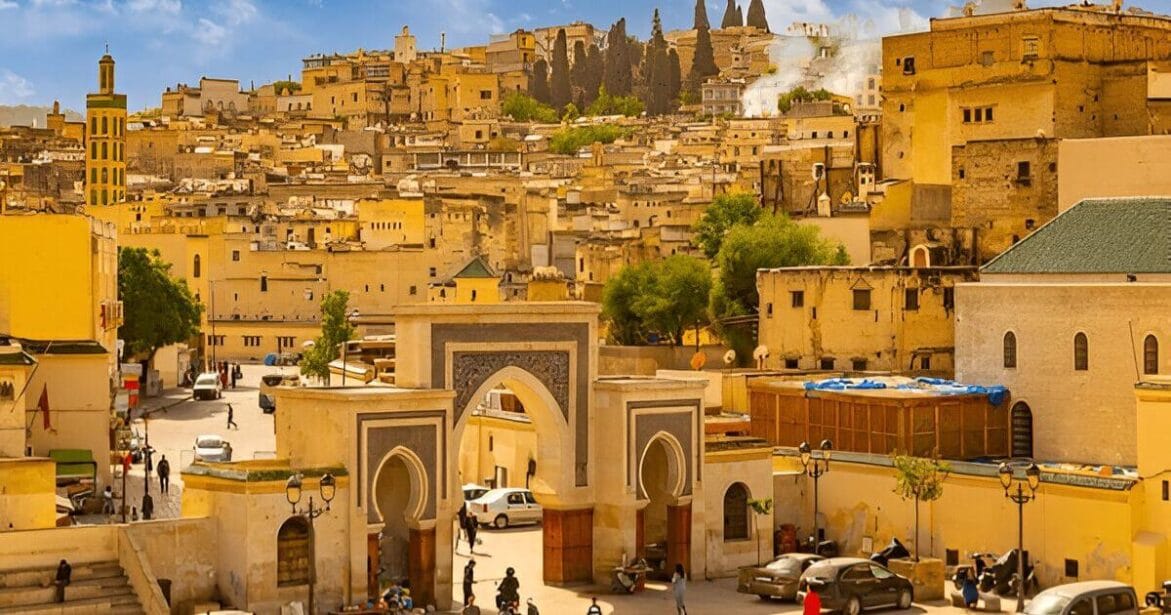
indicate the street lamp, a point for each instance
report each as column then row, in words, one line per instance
column 1020, row 498
column 814, row 468
column 328, row 488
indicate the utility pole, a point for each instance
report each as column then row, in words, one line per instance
column 211, row 319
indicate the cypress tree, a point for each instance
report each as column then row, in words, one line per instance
column 595, row 66
column 616, row 76
column 756, row 16
column 540, row 85
column 739, row 15
column 730, row 16
column 560, row 93
column 577, row 74
column 674, row 78
column 656, row 70
column 701, row 15
column 703, row 64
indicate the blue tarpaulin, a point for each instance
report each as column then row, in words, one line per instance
column 939, row 386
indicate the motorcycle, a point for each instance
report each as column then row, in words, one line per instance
column 1003, row 576
column 894, row 550
column 825, row 548
column 1161, row 601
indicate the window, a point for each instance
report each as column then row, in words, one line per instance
column 264, row 284
column 1151, row 355
column 987, row 58
column 105, row 125
column 976, row 115
column 880, row 573
column 292, row 552
column 861, row 298
column 485, row 94
column 790, row 363
column 195, row 266
column 1071, row 568
column 431, row 271
column 827, row 363
column 911, row 299
column 1117, row 602
column 1166, row 490
column 473, row 295
column 951, row 557
column 860, row 572
column 516, row 499
column 925, row 362
column 797, row 298
column 251, row 341
column 1009, row 350
column 414, row 290
column 1022, row 430
column 967, row 116
column 235, row 255
column 1082, row 607
column 1081, row 352
column 736, row 512
column 1023, row 172
column 909, row 65
column 858, row 365
column 1030, row 47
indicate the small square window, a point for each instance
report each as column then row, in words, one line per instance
column 797, row 298
column 967, row 116
column 925, row 363
column 414, row 290
column 858, row 365
column 988, row 114
column 827, row 363
column 911, row 299
column 792, row 364
column 235, row 255
column 951, row 557
column 431, row 271
column 909, row 65
column 861, row 298
column 1071, row 568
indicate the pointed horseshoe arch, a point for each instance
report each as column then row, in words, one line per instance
column 676, row 464
column 417, row 503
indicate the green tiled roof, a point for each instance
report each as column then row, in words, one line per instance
column 1122, row 235
column 475, row 269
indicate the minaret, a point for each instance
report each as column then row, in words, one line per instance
column 105, row 140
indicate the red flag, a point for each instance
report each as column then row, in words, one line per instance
column 43, row 406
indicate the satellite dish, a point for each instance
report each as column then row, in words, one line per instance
column 760, row 354
column 698, row 360
column 729, row 357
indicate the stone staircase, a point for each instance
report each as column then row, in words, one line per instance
column 96, row 587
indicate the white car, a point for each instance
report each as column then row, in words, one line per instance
column 212, row 448
column 473, row 491
column 207, row 386
column 504, row 507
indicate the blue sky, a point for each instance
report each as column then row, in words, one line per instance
column 49, row 48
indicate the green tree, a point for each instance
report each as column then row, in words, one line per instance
column 335, row 329
column 756, row 16
column 674, row 77
column 739, row 15
column 657, row 71
column 571, row 113
column 725, row 212
column 592, row 76
column 616, row 72
column 800, row 94
column 158, row 309
column 701, row 15
column 560, row 92
column 578, row 74
column 660, row 298
column 524, row 108
column 730, row 16
column 919, row 480
column 703, row 64
column 569, row 141
column 772, row 241
column 759, row 508
column 607, row 104
column 540, row 85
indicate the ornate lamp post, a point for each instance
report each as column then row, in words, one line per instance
column 814, row 468
column 1020, row 498
column 328, row 488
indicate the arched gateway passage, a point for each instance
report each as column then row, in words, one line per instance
column 405, row 461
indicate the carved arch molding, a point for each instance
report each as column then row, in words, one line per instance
column 470, row 370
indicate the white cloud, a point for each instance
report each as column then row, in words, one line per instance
column 14, row 89
column 7, row 4
column 209, row 33
column 470, row 16
column 172, row 7
column 237, row 12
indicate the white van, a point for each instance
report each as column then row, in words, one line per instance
column 504, row 507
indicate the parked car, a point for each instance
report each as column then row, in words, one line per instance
column 268, row 382
column 207, row 386
column 472, row 491
column 1085, row 598
column 504, row 507
column 778, row 578
column 212, row 448
column 849, row 584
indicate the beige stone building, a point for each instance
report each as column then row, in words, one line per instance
column 1116, row 166
column 890, row 319
column 1068, row 320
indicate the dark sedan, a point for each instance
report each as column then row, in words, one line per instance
column 778, row 578
column 848, row 584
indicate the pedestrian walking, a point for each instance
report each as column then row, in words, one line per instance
column 679, row 588
column 148, row 507
column 231, row 421
column 469, row 580
column 594, row 608
column 108, row 501
column 235, row 374
column 164, row 474
column 462, row 514
column 64, row 574
column 471, row 529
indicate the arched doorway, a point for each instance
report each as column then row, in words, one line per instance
column 1022, row 430
column 400, row 548
column 662, row 530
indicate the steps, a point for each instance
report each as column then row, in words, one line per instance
column 95, row 587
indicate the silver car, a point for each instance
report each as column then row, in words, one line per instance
column 212, row 448
column 501, row 508
column 1085, row 598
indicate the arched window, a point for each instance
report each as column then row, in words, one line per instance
column 292, row 552
column 736, row 512
column 1151, row 355
column 1081, row 352
column 1022, row 430
column 1009, row 350
column 195, row 266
